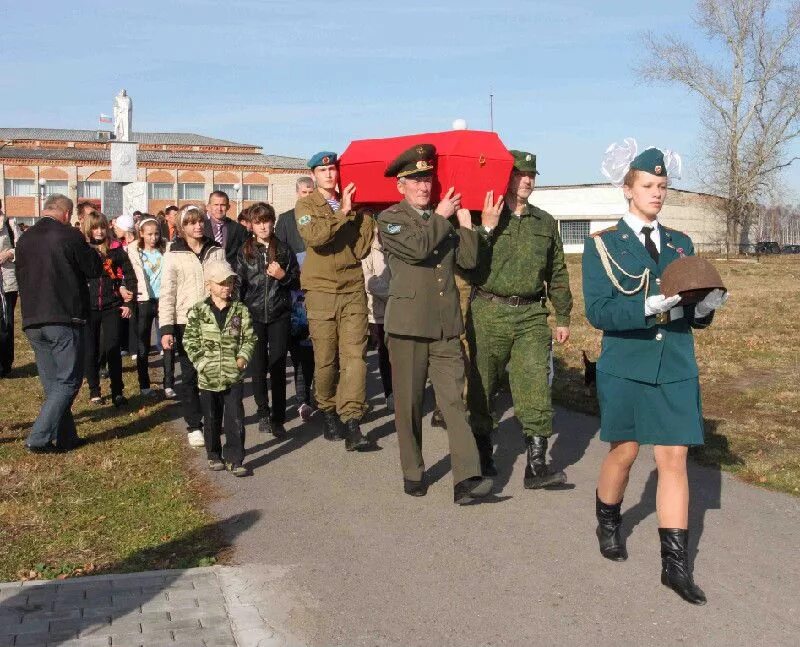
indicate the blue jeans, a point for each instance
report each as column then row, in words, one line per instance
column 59, row 361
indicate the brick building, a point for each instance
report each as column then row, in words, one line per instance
column 179, row 168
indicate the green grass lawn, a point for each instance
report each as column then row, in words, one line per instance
column 749, row 371
column 126, row 501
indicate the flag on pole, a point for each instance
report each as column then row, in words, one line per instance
column 105, row 119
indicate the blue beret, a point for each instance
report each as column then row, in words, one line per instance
column 650, row 161
column 323, row 158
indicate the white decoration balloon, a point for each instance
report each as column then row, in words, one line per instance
column 460, row 124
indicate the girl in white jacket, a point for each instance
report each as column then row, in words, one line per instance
column 182, row 285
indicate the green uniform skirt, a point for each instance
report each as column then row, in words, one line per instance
column 650, row 414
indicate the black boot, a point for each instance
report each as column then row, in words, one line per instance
column 264, row 424
column 437, row 419
column 485, row 450
column 355, row 441
column 537, row 473
column 333, row 426
column 609, row 521
column 675, row 571
column 470, row 489
column 415, row 488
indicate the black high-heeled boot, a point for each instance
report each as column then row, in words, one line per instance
column 675, row 571
column 609, row 522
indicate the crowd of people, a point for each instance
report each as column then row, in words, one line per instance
column 443, row 294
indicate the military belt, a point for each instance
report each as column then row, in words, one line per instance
column 513, row 301
column 670, row 315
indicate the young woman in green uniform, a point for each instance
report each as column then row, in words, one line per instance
column 647, row 377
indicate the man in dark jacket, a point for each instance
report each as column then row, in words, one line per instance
column 54, row 265
column 286, row 228
column 228, row 233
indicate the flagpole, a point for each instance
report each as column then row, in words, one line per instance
column 491, row 112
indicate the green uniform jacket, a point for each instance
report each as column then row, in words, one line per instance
column 636, row 347
column 335, row 244
column 523, row 256
column 213, row 351
column 422, row 255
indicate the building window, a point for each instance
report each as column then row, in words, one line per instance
column 90, row 190
column 191, row 191
column 258, row 192
column 55, row 186
column 227, row 189
column 160, row 191
column 20, row 188
column 573, row 232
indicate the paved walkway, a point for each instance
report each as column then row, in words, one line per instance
column 348, row 559
column 197, row 607
column 331, row 552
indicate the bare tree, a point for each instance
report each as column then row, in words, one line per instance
column 750, row 92
column 780, row 223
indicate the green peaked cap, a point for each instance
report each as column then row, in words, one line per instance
column 650, row 161
column 417, row 161
column 524, row 162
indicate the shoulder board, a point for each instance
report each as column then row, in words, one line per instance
column 395, row 208
column 541, row 212
column 603, row 231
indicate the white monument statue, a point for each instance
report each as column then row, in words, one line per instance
column 123, row 116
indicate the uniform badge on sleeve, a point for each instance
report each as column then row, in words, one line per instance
column 304, row 220
column 392, row 228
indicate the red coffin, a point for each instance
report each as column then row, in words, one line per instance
column 473, row 161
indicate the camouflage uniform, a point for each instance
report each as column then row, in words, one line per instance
column 213, row 346
column 214, row 351
column 522, row 257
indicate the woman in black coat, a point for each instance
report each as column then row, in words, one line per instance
column 268, row 271
column 112, row 298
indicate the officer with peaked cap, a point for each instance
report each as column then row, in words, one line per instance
column 647, row 377
column 336, row 239
column 521, row 266
column 423, row 318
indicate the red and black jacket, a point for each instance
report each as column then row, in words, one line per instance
column 117, row 272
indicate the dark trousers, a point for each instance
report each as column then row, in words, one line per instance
column 145, row 316
column 269, row 356
column 303, row 363
column 224, row 409
column 7, row 347
column 59, row 362
column 384, row 365
column 102, row 340
column 187, row 392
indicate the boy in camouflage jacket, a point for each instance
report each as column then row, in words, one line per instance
column 219, row 341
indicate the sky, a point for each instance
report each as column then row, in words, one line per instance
column 298, row 77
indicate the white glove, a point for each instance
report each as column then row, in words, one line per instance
column 658, row 303
column 713, row 300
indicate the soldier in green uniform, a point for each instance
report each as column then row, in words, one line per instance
column 647, row 377
column 423, row 319
column 520, row 265
column 336, row 239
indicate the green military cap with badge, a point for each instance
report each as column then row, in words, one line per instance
column 417, row 161
column 323, row 158
column 650, row 160
column 524, row 162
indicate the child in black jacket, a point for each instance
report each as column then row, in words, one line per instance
column 112, row 297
